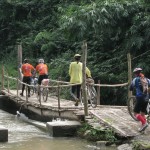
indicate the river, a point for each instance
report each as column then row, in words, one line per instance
column 24, row 136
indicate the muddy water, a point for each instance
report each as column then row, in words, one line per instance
column 24, row 136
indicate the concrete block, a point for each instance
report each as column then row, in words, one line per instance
column 3, row 134
column 62, row 128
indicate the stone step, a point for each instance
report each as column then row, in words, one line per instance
column 3, row 134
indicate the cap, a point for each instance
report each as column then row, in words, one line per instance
column 77, row 55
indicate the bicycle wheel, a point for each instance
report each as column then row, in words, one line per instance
column 81, row 98
column 45, row 94
column 31, row 90
column 131, row 103
column 148, row 112
column 93, row 96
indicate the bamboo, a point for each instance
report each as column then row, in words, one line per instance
column 84, row 49
column 58, row 98
column 98, row 93
column 129, row 74
column 2, row 79
column 17, row 87
column 19, row 63
column 8, row 85
column 26, row 87
column 39, row 90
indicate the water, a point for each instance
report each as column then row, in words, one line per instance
column 24, row 136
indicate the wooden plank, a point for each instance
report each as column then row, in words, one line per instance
column 118, row 120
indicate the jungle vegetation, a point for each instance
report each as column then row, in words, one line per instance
column 55, row 31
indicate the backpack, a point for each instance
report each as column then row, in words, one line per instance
column 144, row 84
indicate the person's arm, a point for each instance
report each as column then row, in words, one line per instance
column 132, row 85
column 88, row 73
column 70, row 70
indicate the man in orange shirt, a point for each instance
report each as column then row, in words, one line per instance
column 42, row 69
column 27, row 74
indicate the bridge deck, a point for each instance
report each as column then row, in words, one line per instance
column 116, row 117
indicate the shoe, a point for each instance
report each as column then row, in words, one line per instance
column 21, row 94
column 77, row 101
column 144, row 126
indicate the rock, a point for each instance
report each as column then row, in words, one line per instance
column 124, row 147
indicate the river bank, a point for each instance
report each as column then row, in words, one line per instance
column 99, row 133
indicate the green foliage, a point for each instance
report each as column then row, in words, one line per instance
column 55, row 30
column 92, row 134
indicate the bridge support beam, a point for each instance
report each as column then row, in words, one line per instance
column 3, row 134
column 62, row 128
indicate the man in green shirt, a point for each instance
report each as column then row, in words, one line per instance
column 75, row 72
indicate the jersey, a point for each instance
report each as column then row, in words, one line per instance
column 136, row 82
column 27, row 69
column 42, row 69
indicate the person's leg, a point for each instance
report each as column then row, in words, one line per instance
column 143, row 109
column 141, row 106
column 137, row 110
column 29, row 82
column 72, row 92
column 23, row 86
column 78, row 91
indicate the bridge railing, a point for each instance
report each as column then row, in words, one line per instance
column 58, row 85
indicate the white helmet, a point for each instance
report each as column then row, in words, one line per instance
column 41, row 60
column 137, row 69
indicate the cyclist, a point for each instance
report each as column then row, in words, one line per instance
column 141, row 104
column 27, row 74
column 42, row 69
column 75, row 72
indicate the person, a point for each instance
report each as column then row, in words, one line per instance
column 75, row 73
column 42, row 69
column 26, row 70
column 141, row 104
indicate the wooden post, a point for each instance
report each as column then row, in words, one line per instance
column 19, row 63
column 129, row 74
column 58, row 92
column 98, row 93
column 39, row 90
column 17, row 87
column 26, row 87
column 2, row 78
column 84, row 49
column 8, row 84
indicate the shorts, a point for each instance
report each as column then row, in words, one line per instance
column 41, row 77
column 140, row 105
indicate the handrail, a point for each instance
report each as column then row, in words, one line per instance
column 59, row 85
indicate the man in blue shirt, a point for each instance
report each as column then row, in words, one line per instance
column 141, row 104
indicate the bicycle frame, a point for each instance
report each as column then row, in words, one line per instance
column 91, row 95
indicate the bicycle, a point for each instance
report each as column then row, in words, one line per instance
column 33, row 88
column 43, row 91
column 91, row 93
column 131, row 103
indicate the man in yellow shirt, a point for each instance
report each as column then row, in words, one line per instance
column 75, row 72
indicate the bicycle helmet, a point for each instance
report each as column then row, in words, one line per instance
column 41, row 60
column 137, row 70
column 25, row 60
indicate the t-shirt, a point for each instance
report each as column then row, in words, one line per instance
column 42, row 69
column 26, row 69
column 75, row 72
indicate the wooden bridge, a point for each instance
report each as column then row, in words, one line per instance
column 116, row 117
